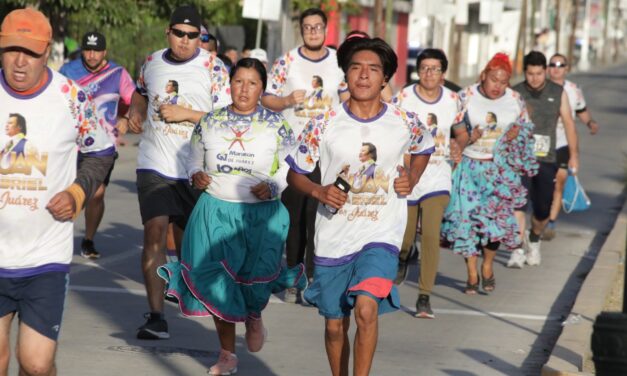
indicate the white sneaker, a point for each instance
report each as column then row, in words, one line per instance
column 517, row 259
column 533, row 253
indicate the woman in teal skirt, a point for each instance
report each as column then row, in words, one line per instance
column 486, row 184
column 233, row 243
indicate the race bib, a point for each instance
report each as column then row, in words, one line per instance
column 543, row 145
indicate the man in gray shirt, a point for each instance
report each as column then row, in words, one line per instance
column 546, row 102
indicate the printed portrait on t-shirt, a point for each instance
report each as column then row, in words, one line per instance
column 21, row 163
column 16, row 149
column 438, row 137
column 491, row 121
column 316, row 101
column 490, row 132
column 367, row 178
column 171, row 97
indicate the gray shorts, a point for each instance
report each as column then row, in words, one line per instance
column 159, row 196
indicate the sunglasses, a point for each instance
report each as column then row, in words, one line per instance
column 558, row 65
column 181, row 34
column 204, row 38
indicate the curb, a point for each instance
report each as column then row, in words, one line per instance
column 572, row 348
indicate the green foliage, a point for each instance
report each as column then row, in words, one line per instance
column 350, row 6
column 135, row 28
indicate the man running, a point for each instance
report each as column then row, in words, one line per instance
column 291, row 79
column 546, row 101
column 440, row 109
column 164, row 192
column 357, row 247
column 41, row 190
column 108, row 84
column 558, row 67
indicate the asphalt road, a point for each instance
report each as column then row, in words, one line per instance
column 509, row 332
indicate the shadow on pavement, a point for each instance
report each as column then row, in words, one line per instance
column 603, row 220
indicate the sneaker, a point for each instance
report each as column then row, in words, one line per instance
column 88, row 250
column 549, row 232
column 423, row 307
column 256, row 334
column 401, row 274
column 292, row 295
column 517, row 259
column 533, row 253
column 154, row 328
column 226, row 365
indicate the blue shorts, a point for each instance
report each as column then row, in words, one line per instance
column 38, row 300
column 335, row 288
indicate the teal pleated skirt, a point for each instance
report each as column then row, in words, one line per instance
column 231, row 260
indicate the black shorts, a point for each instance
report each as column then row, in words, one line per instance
column 38, row 300
column 562, row 155
column 108, row 177
column 159, row 196
column 540, row 190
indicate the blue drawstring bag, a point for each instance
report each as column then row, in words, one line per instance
column 574, row 197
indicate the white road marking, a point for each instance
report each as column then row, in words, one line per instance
column 141, row 292
column 276, row 300
column 470, row 312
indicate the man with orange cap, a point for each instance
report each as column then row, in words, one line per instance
column 40, row 191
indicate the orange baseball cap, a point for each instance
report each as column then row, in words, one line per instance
column 27, row 28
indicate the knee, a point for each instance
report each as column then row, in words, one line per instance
column 32, row 365
column 99, row 195
column 366, row 314
column 335, row 329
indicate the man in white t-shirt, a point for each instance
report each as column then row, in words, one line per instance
column 558, row 67
column 304, row 83
column 200, row 83
column 360, row 146
column 41, row 189
column 440, row 109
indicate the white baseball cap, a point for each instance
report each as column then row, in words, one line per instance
column 259, row 54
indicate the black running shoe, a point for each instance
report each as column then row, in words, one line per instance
column 423, row 307
column 88, row 250
column 154, row 328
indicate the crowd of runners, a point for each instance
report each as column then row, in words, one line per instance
column 240, row 164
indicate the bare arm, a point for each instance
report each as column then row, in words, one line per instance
column 571, row 133
column 587, row 119
column 278, row 104
column 328, row 194
column 461, row 136
column 173, row 113
column 137, row 113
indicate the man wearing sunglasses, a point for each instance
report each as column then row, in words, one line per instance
column 558, row 68
column 290, row 89
column 108, row 84
column 164, row 192
column 546, row 101
column 208, row 41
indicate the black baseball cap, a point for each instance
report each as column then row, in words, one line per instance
column 186, row 14
column 93, row 40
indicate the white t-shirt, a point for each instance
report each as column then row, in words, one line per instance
column 439, row 117
column 577, row 103
column 241, row 151
column 200, row 83
column 366, row 154
column 322, row 79
column 492, row 116
column 58, row 118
